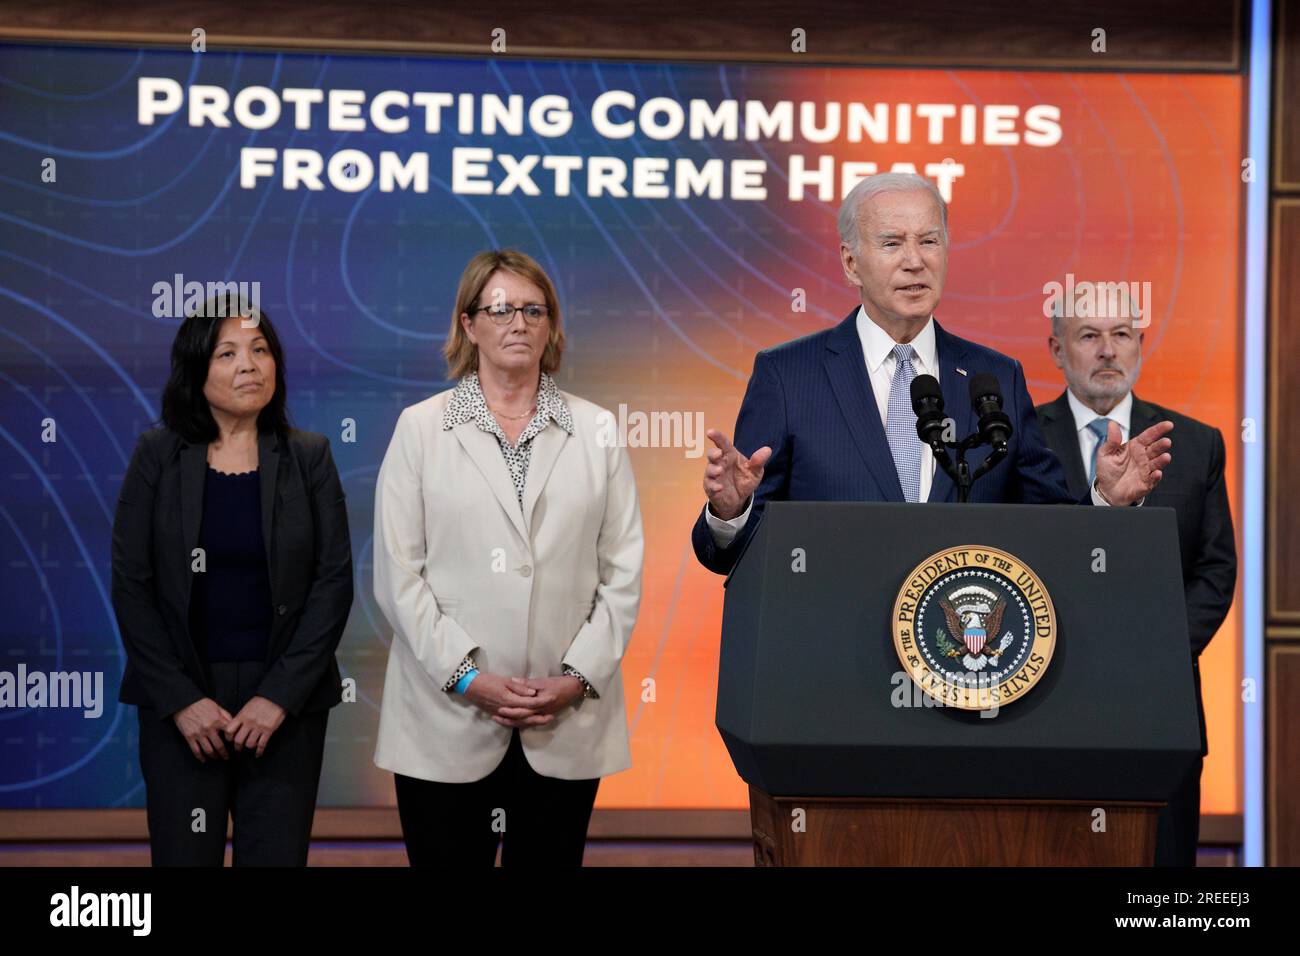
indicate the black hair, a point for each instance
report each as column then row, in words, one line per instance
column 184, row 407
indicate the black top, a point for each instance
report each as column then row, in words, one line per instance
column 230, row 607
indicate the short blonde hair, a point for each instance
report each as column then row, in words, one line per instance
column 462, row 354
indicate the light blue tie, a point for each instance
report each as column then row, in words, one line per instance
column 900, row 425
column 1098, row 427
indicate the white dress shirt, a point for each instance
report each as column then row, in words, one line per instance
column 878, row 348
column 1083, row 416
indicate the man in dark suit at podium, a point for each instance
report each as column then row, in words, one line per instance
column 1101, row 357
column 828, row 417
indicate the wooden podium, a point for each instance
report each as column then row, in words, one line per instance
column 845, row 767
column 867, row 831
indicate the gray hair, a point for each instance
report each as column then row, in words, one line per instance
column 881, row 183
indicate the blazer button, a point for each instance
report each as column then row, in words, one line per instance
column 281, row 609
column 525, row 570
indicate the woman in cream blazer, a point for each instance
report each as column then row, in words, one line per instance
column 507, row 552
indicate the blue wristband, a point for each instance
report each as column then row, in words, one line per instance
column 464, row 682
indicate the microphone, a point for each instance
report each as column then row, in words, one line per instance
column 986, row 398
column 927, row 402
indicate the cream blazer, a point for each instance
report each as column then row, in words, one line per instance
column 460, row 569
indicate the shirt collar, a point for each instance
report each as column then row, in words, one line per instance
column 468, row 404
column 877, row 345
column 1121, row 413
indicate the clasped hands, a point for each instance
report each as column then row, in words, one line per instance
column 522, row 701
column 203, row 723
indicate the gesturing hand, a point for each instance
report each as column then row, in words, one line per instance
column 201, row 724
column 254, row 724
column 1127, row 472
column 730, row 477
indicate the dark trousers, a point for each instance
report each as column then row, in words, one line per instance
column 271, row 799
column 1178, row 826
column 540, row 821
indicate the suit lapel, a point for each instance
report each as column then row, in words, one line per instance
column 846, row 367
column 486, row 454
column 1063, row 438
column 194, row 467
column 268, row 471
column 1143, row 416
column 546, row 449
column 956, row 402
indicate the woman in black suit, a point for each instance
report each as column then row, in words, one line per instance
column 232, row 581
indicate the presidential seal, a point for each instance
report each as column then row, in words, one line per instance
column 974, row 627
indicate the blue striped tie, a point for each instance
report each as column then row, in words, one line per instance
column 900, row 425
column 1098, row 427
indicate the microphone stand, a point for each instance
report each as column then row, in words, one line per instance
column 960, row 472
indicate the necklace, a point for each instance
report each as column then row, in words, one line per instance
column 513, row 418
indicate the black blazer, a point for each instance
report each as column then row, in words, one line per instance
column 1193, row 486
column 309, row 554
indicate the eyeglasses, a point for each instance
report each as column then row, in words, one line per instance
column 505, row 314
